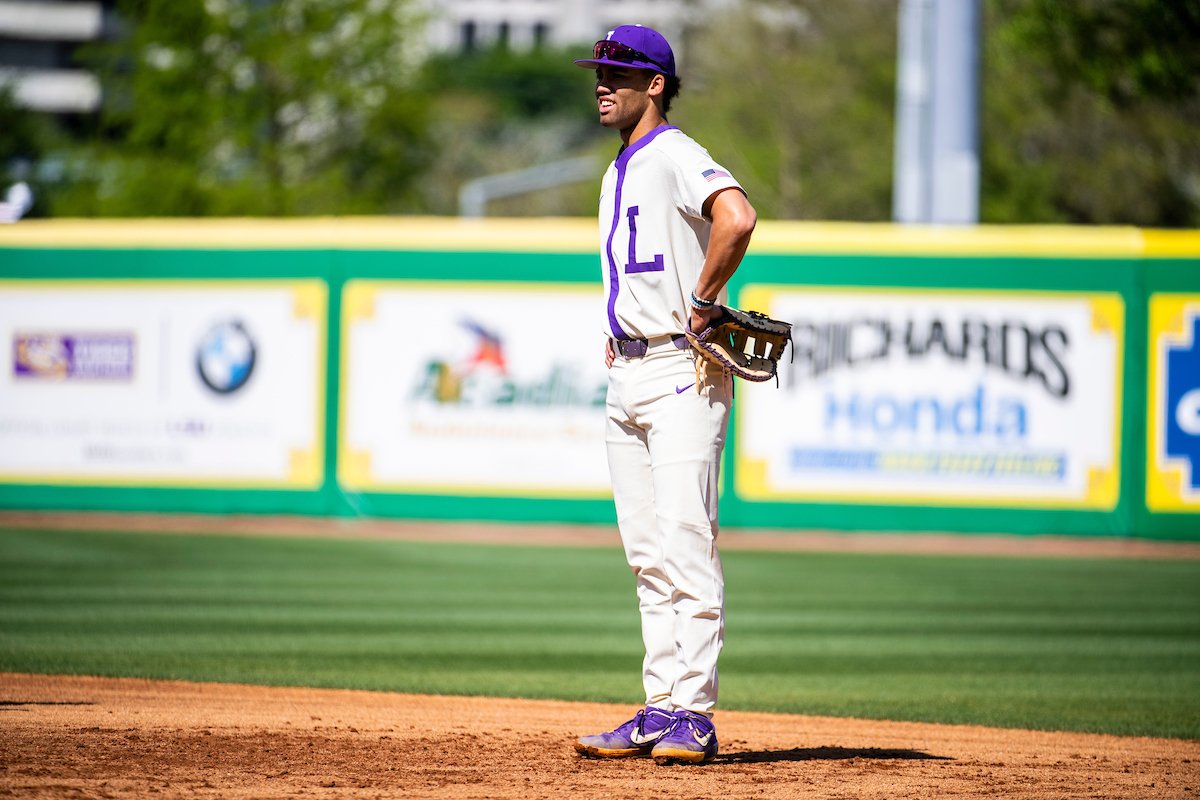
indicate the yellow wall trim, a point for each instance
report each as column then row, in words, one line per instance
column 571, row 235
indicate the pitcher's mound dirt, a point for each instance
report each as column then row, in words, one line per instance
column 76, row 737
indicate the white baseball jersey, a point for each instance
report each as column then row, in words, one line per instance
column 653, row 233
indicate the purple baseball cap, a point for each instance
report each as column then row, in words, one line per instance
column 633, row 46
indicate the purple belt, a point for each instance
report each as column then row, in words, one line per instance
column 637, row 348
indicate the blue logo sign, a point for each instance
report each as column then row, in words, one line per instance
column 225, row 358
column 1182, row 423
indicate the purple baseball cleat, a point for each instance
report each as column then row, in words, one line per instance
column 633, row 738
column 692, row 740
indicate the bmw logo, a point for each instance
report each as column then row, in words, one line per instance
column 225, row 357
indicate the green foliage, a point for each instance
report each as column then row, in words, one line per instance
column 497, row 111
column 1125, row 50
column 534, row 84
column 25, row 138
column 240, row 107
column 797, row 98
column 1108, row 646
column 20, row 131
column 1091, row 112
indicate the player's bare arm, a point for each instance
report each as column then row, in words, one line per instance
column 733, row 221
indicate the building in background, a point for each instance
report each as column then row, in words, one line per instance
column 466, row 25
column 39, row 41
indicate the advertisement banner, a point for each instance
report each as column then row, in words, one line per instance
column 1173, row 395
column 177, row 383
column 472, row 388
column 927, row 396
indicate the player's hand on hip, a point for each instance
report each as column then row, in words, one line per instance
column 701, row 317
column 610, row 355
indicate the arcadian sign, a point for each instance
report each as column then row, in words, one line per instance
column 473, row 388
column 482, row 378
column 901, row 395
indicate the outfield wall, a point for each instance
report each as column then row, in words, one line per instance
column 990, row 379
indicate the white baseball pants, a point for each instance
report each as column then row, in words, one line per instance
column 664, row 443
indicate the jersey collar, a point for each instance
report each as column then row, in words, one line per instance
column 626, row 152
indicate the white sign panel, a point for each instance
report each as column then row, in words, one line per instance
column 182, row 383
column 900, row 395
column 473, row 388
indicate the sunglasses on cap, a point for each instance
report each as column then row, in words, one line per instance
column 615, row 51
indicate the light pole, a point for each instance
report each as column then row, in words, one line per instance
column 936, row 166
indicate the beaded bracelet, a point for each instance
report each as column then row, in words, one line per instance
column 703, row 305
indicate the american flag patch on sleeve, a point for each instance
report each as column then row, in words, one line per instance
column 713, row 174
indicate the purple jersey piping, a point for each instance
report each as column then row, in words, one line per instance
column 614, row 279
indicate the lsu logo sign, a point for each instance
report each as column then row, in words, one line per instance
column 1173, row 448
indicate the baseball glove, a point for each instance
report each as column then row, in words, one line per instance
column 746, row 343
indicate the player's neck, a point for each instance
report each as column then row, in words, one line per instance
column 652, row 119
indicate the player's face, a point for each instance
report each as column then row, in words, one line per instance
column 622, row 95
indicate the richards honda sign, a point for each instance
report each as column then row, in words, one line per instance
column 920, row 396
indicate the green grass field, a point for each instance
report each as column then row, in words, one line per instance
column 1060, row 644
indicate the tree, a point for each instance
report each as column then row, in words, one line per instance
column 256, row 107
column 1092, row 112
column 1090, row 109
column 498, row 110
column 23, row 135
column 797, row 98
column 1125, row 50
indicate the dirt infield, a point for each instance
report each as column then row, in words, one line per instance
column 77, row 737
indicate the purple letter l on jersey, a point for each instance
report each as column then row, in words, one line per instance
column 634, row 265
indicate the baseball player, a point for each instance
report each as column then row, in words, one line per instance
column 674, row 226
